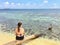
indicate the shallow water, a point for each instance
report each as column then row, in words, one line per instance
column 34, row 21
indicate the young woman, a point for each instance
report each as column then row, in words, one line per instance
column 19, row 32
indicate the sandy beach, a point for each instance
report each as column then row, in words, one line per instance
column 7, row 37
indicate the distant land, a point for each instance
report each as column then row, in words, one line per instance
column 30, row 9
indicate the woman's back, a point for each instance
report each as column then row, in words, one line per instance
column 20, row 32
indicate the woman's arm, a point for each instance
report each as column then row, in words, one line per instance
column 22, row 31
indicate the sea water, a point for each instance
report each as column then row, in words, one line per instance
column 34, row 20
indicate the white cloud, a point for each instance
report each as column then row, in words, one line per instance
column 31, row 5
column 55, row 5
column 44, row 4
column 6, row 3
column 18, row 4
column 45, row 1
column 28, row 5
column 12, row 3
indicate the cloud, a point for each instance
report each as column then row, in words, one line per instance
column 32, row 5
column 28, row 5
column 45, row 1
column 6, row 3
column 12, row 3
column 55, row 5
column 18, row 4
column 44, row 4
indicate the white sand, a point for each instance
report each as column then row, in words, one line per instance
column 7, row 37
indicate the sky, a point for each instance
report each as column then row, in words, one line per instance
column 30, row 4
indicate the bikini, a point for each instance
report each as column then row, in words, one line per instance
column 20, row 37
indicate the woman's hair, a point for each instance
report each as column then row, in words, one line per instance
column 19, row 25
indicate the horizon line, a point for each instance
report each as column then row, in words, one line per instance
column 17, row 9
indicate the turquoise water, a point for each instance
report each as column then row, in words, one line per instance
column 34, row 20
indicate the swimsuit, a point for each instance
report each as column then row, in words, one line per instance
column 20, row 38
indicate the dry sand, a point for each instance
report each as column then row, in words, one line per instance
column 7, row 37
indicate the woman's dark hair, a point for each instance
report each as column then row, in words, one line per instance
column 19, row 25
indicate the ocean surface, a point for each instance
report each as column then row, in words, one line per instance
column 34, row 20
